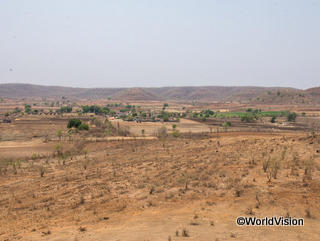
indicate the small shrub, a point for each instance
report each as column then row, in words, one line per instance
column 82, row 229
column 308, row 213
column 265, row 164
column 83, row 126
column 34, row 156
column 275, row 166
column 162, row 132
column 175, row 133
column 58, row 149
column 292, row 116
column 74, row 123
column 185, row 233
column 42, row 171
column 248, row 118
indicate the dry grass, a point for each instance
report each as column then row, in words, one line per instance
column 109, row 179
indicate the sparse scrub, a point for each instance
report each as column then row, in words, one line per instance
column 35, row 156
column 266, row 163
column 162, row 135
column 275, row 166
column 58, row 149
column 82, row 229
column 308, row 168
column 185, row 233
column 41, row 171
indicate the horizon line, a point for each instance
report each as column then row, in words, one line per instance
column 150, row 87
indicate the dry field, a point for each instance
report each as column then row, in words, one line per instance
column 138, row 187
column 186, row 188
column 150, row 128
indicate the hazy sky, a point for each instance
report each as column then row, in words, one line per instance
column 120, row 43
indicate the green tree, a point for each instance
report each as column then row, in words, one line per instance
column 27, row 108
column 74, row 123
column 83, row 126
column 165, row 105
column 66, row 109
column 292, row 116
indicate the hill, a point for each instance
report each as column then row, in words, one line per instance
column 247, row 94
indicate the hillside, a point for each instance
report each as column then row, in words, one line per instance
column 263, row 95
column 136, row 94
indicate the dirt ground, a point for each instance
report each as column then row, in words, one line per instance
column 150, row 128
column 185, row 188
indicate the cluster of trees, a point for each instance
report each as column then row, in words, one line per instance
column 27, row 108
column 114, row 105
column 66, row 109
column 204, row 114
column 95, row 109
column 166, row 116
column 128, row 107
column 77, row 124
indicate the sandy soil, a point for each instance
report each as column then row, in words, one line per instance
column 151, row 189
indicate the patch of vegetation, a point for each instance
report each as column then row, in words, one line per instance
column 292, row 116
column 77, row 123
column 27, row 108
column 249, row 117
column 95, row 109
column 227, row 124
column 66, row 109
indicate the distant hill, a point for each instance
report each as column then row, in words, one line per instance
column 136, row 94
column 250, row 94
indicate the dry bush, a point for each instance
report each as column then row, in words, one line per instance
column 41, row 171
column 266, row 164
column 85, row 163
column 82, row 229
column 308, row 168
column 35, row 156
column 294, row 165
column 162, row 135
column 162, row 132
column 58, row 149
column 185, row 233
column 274, row 168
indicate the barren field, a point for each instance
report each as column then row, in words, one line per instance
column 150, row 128
column 124, row 180
column 153, row 190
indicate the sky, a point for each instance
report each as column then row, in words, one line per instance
column 140, row 43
